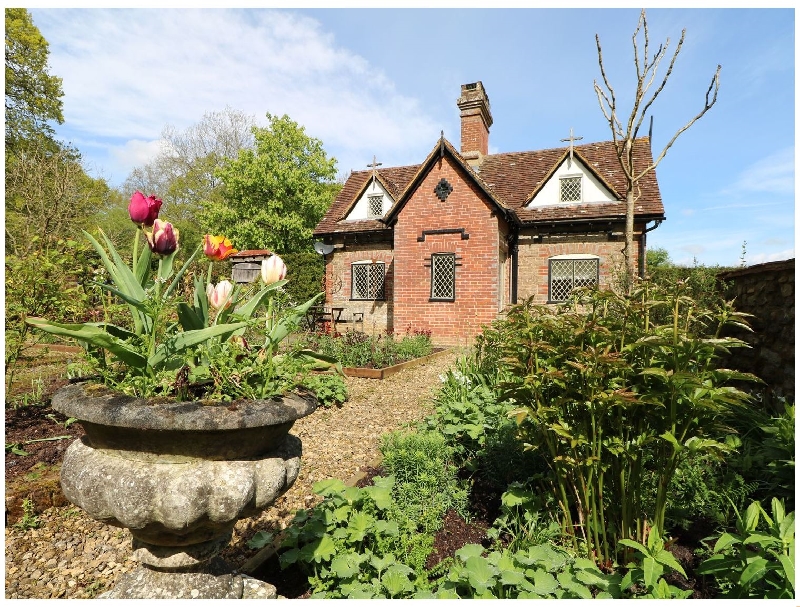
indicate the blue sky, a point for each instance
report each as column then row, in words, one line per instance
column 384, row 82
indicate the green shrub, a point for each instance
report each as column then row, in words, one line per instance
column 305, row 276
column 357, row 349
column 765, row 456
column 426, row 487
column 330, row 389
column 756, row 560
column 605, row 380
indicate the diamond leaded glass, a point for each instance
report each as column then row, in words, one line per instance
column 368, row 281
column 376, row 205
column 570, row 189
column 443, row 276
column 569, row 274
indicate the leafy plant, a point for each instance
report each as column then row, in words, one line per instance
column 329, row 389
column 522, row 521
column 357, row 349
column 757, row 560
column 539, row 572
column 600, row 384
column 29, row 518
column 348, row 543
column 645, row 577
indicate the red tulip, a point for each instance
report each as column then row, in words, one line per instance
column 164, row 239
column 217, row 247
column 144, row 210
column 272, row 269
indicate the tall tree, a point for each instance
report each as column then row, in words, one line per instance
column 183, row 173
column 276, row 193
column 625, row 134
column 49, row 197
column 33, row 95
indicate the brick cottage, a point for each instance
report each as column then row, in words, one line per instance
column 448, row 244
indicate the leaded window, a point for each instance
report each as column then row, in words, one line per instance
column 367, row 280
column 376, row 205
column 569, row 274
column 443, row 276
column 570, row 189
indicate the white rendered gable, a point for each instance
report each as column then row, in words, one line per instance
column 362, row 208
column 592, row 190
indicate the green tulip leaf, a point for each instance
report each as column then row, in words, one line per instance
column 188, row 317
column 188, row 339
column 94, row 336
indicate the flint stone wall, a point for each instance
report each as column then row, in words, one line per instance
column 767, row 291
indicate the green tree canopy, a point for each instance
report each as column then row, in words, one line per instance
column 33, row 95
column 274, row 194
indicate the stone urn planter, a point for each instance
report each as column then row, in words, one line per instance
column 179, row 476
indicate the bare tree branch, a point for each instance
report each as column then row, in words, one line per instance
column 646, row 70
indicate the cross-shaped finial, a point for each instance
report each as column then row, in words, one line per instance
column 572, row 139
column 374, row 166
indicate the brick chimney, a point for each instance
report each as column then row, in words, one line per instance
column 476, row 118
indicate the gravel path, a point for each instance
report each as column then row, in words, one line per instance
column 72, row 556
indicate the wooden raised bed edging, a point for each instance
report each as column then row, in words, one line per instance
column 387, row 371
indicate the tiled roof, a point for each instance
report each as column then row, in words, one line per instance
column 513, row 179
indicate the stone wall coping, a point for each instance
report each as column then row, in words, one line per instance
column 770, row 266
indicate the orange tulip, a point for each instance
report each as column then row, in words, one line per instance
column 218, row 247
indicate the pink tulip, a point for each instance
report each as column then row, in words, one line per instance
column 144, row 210
column 220, row 296
column 272, row 269
column 164, row 239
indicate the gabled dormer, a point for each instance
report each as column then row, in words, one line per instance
column 572, row 181
column 373, row 203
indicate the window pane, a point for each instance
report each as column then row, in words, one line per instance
column 443, row 276
column 368, row 281
column 571, row 189
column 360, row 281
column 568, row 274
column 376, row 205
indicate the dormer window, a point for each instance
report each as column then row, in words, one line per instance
column 570, row 189
column 376, row 205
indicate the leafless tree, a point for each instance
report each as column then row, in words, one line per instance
column 183, row 172
column 624, row 134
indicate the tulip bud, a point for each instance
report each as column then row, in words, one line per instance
column 164, row 238
column 220, row 296
column 144, row 210
column 272, row 269
column 217, row 247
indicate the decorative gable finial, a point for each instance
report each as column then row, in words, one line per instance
column 374, row 166
column 441, row 145
column 572, row 139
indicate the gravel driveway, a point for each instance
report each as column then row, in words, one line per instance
column 72, row 556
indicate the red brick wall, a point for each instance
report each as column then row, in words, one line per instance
column 476, row 296
column 474, row 134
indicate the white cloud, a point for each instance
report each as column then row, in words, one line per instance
column 765, row 257
column 128, row 73
column 135, row 151
column 773, row 174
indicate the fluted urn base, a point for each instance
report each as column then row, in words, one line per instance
column 179, row 476
column 210, row 580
